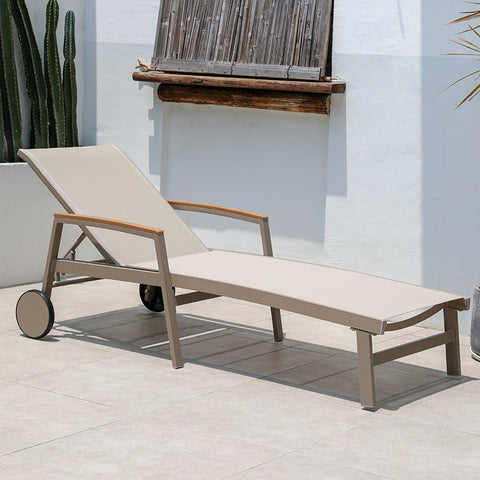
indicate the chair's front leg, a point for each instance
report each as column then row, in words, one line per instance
column 169, row 303
column 365, row 370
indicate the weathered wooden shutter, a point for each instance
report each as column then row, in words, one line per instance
column 255, row 38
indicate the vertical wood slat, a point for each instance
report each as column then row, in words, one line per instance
column 289, row 33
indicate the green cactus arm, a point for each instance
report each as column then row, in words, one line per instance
column 53, row 78
column 69, row 50
column 70, row 95
column 70, row 82
column 35, row 80
column 2, row 134
column 12, row 118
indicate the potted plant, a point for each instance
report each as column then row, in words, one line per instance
column 472, row 47
column 27, row 206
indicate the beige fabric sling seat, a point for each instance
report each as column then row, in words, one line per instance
column 142, row 239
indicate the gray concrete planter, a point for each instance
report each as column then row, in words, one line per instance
column 475, row 326
column 26, row 212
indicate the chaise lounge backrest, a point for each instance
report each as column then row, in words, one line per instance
column 102, row 181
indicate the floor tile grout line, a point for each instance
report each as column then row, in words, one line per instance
column 430, row 424
column 374, row 419
column 253, row 344
column 56, row 370
column 256, row 466
column 62, row 437
column 266, row 377
column 295, row 453
column 221, row 389
column 377, row 415
column 194, row 397
column 62, row 394
column 251, row 378
column 248, row 379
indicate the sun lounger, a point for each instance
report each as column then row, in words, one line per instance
column 142, row 240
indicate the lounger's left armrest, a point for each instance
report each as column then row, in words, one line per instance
column 259, row 219
column 108, row 223
column 111, row 269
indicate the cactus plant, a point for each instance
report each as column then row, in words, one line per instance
column 35, row 80
column 70, row 82
column 12, row 119
column 56, row 109
column 51, row 101
column 2, row 134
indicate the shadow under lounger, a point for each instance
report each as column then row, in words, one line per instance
column 143, row 240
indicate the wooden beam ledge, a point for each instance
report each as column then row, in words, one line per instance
column 285, row 95
column 240, row 82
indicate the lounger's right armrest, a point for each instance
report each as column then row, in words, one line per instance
column 218, row 210
column 108, row 223
column 259, row 219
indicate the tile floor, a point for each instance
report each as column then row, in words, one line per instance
column 98, row 399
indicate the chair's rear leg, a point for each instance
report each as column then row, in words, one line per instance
column 277, row 324
column 365, row 370
column 450, row 317
column 53, row 249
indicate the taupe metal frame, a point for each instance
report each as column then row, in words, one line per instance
column 66, row 171
column 105, row 268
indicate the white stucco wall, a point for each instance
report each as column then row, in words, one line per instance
column 385, row 185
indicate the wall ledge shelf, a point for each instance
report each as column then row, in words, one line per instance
column 286, row 95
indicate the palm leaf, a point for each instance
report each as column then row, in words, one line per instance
column 466, row 18
column 471, row 47
column 466, row 44
column 470, row 96
column 467, row 15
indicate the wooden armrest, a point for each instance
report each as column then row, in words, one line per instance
column 98, row 221
column 261, row 220
column 218, row 210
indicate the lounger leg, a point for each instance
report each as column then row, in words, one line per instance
column 365, row 370
column 277, row 324
column 450, row 316
column 52, row 258
column 268, row 251
column 169, row 303
column 172, row 328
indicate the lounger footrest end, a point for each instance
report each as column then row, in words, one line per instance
column 410, row 348
column 460, row 304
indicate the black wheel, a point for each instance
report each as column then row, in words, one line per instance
column 152, row 297
column 35, row 314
